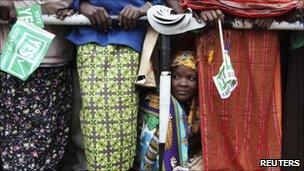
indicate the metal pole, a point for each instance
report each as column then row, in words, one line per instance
column 164, row 95
column 76, row 19
column 79, row 19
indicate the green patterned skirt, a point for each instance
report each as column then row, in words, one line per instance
column 109, row 105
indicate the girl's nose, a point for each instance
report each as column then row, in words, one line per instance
column 183, row 82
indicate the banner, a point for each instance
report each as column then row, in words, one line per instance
column 225, row 81
column 24, row 49
column 31, row 14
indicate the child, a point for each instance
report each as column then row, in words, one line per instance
column 183, row 118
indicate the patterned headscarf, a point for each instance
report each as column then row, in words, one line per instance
column 186, row 58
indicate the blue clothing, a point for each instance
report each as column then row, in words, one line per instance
column 118, row 36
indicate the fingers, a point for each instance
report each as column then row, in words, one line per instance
column 62, row 14
column 203, row 16
column 256, row 24
column 220, row 15
column 134, row 19
column 211, row 16
column 197, row 17
column 107, row 20
column 125, row 15
column 101, row 18
column 120, row 16
column 98, row 16
column 207, row 17
column 262, row 23
column 268, row 24
column 214, row 15
column 93, row 22
column 70, row 12
column 100, row 22
column 128, row 17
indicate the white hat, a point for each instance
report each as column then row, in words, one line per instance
column 162, row 19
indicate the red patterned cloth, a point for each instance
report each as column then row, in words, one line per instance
column 244, row 8
column 239, row 131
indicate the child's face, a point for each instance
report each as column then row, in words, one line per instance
column 183, row 83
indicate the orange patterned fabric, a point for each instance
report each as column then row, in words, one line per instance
column 245, row 8
column 239, row 131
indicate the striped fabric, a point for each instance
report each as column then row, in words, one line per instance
column 244, row 8
column 239, row 131
column 152, row 153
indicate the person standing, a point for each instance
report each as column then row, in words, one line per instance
column 107, row 63
column 245, row 127
column 35, row 114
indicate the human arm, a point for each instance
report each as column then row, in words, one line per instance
column 6, row 9
column 47, row 6
column 128, row 17
column 209, row 16
column 61, row 14
column 262, row 23
column 98, row 16
column 174, row 4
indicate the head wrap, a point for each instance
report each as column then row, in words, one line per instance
column 186, row 58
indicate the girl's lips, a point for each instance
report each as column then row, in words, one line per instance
column 182, row 92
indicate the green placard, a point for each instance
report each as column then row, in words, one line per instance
column 24, row 49
column 225, row 81
column 31, row 14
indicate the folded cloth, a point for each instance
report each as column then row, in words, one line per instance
column 244, row 8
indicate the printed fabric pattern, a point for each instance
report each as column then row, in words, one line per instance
column 109, row 105
column 176, row 146
column 34, row 118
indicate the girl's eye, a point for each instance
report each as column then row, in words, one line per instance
column 192, row 78
column 175, row 76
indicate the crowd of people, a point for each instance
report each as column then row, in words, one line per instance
column 80, row 110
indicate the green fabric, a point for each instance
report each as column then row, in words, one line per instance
column 109, row 105
column 296, row 40
column 152, row 121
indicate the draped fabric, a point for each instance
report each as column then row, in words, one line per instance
column 35, row 118
column 176, row 146
column 109, row 108
column 239, row 131
column 244, row 8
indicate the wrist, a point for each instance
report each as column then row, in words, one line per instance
column 143, row 9
column 83, row 5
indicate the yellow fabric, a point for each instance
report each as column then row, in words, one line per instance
column 186, row 58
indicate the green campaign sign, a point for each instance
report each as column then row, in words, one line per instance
column 225, row 81
column 24, row 49
column 31, row 14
